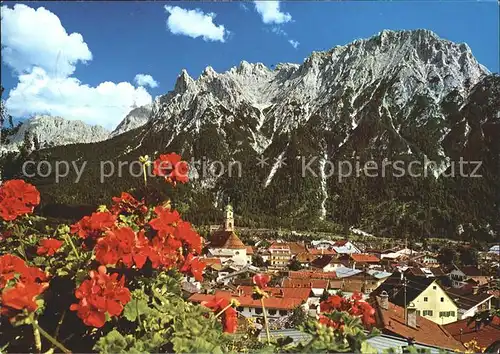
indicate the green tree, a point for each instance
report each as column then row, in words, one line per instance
column 294, row 264
column 446, row 255
column 297, row 318
column 468, row 256
column 324, row 296
column 258, row 261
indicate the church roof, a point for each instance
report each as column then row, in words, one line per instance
column 225, row 239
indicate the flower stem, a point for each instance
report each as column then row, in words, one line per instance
column 36, row 337
column 56, row 332
column 68, row 238
column 266, row 324
column 223, row 310
column 145, row 174
column 51, row 339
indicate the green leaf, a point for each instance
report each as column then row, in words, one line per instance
column 136, row 307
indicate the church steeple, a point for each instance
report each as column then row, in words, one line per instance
column 228, row 218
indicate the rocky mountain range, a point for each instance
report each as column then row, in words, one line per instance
column 52, row 131
column 400, row 95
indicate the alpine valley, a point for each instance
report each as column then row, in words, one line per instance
column 400, row 95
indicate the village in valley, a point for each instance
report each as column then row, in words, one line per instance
column 418, row 300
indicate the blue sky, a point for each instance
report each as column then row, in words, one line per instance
column 59, row 72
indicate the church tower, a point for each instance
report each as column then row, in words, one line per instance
column 228, row 218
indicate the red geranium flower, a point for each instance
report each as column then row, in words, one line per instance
column 11, row 265
column 330, row 323
column 125, row 245
column 93, row 226
column 230, row 315
column 261, row 280
column 23, row 296
column 126, row 203
column 163, row 253
column 171, row 168
column 194, row 266
column 102, row 293
column 48, row 246
column 166, row 221
column 357, row 296
column 334, row 302
column 230, row 320
column 353, row 306
column 185, row 233
column 17, row 198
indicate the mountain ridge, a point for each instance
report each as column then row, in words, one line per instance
column 398, row 95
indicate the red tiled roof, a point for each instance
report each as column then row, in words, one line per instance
column 312, row 274
column 364, row 258
column 279, row 303
column 341, row 243
column 392, row 321
column 250, row 250
column 321, row 252
column 485, row 336
column 279, row 245
column 472, row 271
column 296, row 247
column 304, row 282
column 210, row 261
column 286, row 292
column 306, row 257
column 225, row 239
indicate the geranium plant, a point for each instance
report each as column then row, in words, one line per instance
column 111, row 281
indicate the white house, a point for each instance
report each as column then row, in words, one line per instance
column 280, row 305
column 470, row 302
column 323, row 244
column 345, row 247
column 460, row 276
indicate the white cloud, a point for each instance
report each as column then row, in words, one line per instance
column 194, row 24
column 145, row 80
column 270, row 12
column 279, row 31
column 43, row 55
column 106, row 104
column 294, row 43
column 37, row 38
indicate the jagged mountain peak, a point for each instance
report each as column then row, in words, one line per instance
column 411, row 62
column 136, row 118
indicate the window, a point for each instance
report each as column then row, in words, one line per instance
column 442, row 299
column 272, row 312
column 283, row 312
column 426, row 299
column 447, row 314
column 418, row 312
column 258, row 311
column 434, row 287
column 427, row 312
column 239, row 308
